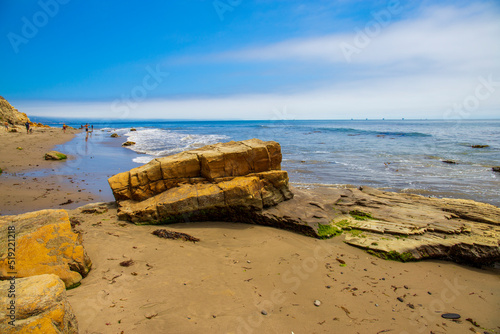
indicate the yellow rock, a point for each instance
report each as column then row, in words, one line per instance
column 45, row 244
column 40, row 306
column 209, row 163
column 182, row 165
column 208, row 183
column 243, row 192
column 120, row 184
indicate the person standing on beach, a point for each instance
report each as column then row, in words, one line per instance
column 64, row 127
column 87, row 131
column 27, row 124
column 6, row 126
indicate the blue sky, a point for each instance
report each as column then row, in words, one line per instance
column 237, row 59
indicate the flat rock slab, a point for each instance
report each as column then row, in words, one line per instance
column 44, row 244
column 396, row 226
column 41, row 306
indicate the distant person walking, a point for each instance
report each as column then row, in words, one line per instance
column 64, row 127
column 6, row 126
column 27, row 124
column 87, row 131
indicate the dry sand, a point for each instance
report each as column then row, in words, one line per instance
column 223, row 283
column 20, row 193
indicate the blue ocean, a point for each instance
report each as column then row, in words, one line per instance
column 429, row 157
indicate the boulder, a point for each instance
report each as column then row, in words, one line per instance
column 395, row 226
column 45, row 244
column 40, row 306
column 115, row 135
column 128, row 143
column 54, row 155
column 496, row 169
column 203, row 184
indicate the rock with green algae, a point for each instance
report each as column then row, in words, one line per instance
column 396, row 226
column 54, row 155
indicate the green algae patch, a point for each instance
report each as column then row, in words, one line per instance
column 328, row 231
column 360, row 215
column 357, row 233
column 344, row 223
column 393, row 255
column 61, row 156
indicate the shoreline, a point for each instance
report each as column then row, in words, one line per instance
column 25, row 185
column 83, row 177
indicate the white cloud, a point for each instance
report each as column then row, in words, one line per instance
column 439, row 34
column 389, row 99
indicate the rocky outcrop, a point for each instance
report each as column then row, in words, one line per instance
column 128, row 143
column 54, row 155
column 45, row 244
column 40, row 306
column 214, row 182
column 417, row 227
column 10, row 114
column 394, row 225
column 243, row 182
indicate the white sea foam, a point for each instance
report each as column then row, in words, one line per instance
column 154, row 143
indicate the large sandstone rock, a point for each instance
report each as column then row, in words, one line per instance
column 203, row 184
column 413, row 227
column 45, row 244
column 40, row 306
column 393, row 225
column 10, row 114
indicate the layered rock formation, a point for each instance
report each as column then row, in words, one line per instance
column 395, row 226
column 44, row 244
column 413, row 227
column 10, row 114
column 41, row 306
column 213, row 182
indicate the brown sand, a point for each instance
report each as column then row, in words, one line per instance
column 19, row 193
column 224, row 282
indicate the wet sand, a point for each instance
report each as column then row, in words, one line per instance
column 20, row 190
column 239, row 278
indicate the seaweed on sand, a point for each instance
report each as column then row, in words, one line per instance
column 174, row 235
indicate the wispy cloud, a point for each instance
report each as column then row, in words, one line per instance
column 437, row 35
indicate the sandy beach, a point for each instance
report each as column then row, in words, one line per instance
column 240, row 278
column 225, row 282
column 21, row 153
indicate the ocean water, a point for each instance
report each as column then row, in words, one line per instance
column 404, row 155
